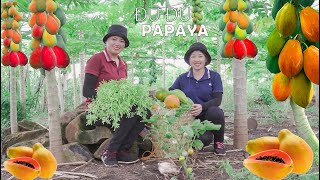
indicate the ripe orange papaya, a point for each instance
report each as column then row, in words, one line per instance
column 311, row 63
column 261, row 144
column 309, row 19
column 270, row 164
column 291, row 58
column 281, row 85
column 299, row 151
column 25, row 168
column 46, row 160
column 161, row 94
column 172, row 101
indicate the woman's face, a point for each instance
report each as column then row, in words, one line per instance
column 197, row 60
column 115, row 44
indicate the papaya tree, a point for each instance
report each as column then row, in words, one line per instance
column 12, row 54
column 236, row 25
column 294, row 57
column 48, row 53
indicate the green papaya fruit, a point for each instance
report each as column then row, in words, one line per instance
column 301, row 89
column 60, row 15
column 233, row 5
column 250, row 28
column 275, row 43
column 286, row 20
column 221, row 10
column 63, row 34
column 40, row 5
column 272, row 64
column 180, row 94
column 60, row 42
column 248, row 11
column 222, row 24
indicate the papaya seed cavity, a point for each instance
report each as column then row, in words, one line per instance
column 271, row 158
column 25, row 164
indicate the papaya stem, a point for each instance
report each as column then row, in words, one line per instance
column 304, row 129
column 306, row 46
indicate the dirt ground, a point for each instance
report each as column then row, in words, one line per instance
column 206, row 164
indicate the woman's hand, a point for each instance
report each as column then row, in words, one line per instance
column 196, row 109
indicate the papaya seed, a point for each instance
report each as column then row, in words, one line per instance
column 24, row 163
column 271, row 158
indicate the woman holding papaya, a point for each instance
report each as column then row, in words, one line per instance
column 105, row 66
column 204, row 88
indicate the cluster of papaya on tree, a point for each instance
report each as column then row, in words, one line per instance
column 293, row 51
column 12, row 56
column 236, row 25
column 277, row 157
column 29, row 163
column 196, row 14
column 172, row 99
column 48, row 39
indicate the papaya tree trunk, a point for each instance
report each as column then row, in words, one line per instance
column 240, row 103
column 44, row 96
column 60, row 93
column 218, row 54
column 304, row 129
column 82, row 59
column 75, row 98
column 13, row 101
column 23, row 103
column 317, row 97
column 65, row 84
column 55, row 139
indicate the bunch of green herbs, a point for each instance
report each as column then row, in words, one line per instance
column 115, row 99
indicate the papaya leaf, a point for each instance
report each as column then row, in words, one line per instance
column 197, row 144
column 188, row 130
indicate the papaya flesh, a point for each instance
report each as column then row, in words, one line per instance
column 19, row 151
column 25, row 168
column 299, row 151
column 46, row 160
column 261, row 144
column 270, row 164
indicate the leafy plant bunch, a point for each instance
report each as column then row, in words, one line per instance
column 116, row 99
column 175, row 134
column 293, row 50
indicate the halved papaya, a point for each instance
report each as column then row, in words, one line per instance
column 270, row 164
column 25, row 168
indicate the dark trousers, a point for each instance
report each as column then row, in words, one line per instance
column 128, row 131
column 216, row 116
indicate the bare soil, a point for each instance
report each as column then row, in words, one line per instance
column 206, row 164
